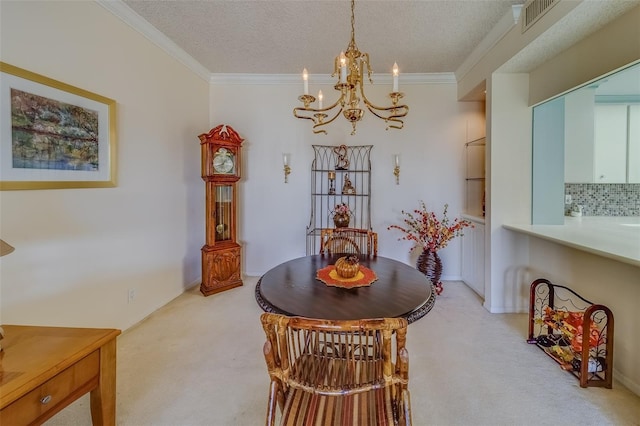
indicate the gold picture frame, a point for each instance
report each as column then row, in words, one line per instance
column 54, row 135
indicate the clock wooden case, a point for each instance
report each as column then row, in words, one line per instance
column 221, row 155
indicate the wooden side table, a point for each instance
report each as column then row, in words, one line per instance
column 44, row 369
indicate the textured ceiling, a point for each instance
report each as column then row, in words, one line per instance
column 422, row 36
column 282, row 37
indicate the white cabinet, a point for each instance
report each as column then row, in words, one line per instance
column 634, row 144
column 579, row 112
column 602, row 141
column 473, row 255
column 610, row 138
column 473, row 239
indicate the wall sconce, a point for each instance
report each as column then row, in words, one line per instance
column 396, row 167
column 286, row 158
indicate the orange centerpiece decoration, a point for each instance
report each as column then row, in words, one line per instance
column 348, row 266
column 347, row 273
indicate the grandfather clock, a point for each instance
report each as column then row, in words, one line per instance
column 220, row 149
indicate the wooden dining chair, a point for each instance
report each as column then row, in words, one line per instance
column 337, row 372
column 348, row 240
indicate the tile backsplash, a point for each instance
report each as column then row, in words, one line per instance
column 604, row 199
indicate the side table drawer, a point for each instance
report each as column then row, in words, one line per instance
column 54, row 394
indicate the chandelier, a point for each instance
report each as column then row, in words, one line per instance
column 349, row 67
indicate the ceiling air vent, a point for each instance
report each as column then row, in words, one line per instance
column 534, row 10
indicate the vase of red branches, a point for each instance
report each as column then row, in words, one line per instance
column 430, row 234
column 430, row 264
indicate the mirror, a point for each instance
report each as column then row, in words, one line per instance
column 602, row 130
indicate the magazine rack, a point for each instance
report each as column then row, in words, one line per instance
column 576, row 333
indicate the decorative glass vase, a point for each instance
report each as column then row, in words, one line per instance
column 341, row 220
column 430, row 264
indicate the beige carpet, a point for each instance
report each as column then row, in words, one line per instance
column 198, row 361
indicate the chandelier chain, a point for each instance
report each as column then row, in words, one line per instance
column 353, row 22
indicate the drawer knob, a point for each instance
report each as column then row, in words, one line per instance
column 45, row 399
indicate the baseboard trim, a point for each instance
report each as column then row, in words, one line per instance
column 506, row 310
column 192, row 284
column 626, row 382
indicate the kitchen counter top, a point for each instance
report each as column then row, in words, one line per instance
column 613, row 237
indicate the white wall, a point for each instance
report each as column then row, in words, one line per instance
column 509, row 193
column 79, row 251
column 274, row 215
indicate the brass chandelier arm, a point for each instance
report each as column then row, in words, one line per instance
column 397, row 111
column 365, row 61
column 329, row 108
column 295, row 113
column 394, row 117
column 318, row 115
column 324, row 123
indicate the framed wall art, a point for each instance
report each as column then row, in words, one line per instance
column 53, row 135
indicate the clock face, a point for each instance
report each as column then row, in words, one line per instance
column 223, row 161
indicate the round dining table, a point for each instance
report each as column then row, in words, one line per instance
column 293, row 289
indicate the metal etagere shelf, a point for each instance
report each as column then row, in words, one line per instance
column 475, row 177
column 339, row 174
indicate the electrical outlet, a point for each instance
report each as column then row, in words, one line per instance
column 567, row 198
column 132, row 295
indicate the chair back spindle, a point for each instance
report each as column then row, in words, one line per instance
column 348, row 241
column 318, row 362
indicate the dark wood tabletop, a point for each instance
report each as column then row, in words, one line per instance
column 291, row 288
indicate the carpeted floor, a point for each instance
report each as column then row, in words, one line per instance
column 198, row 361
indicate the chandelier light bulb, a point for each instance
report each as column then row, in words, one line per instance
column 305, row 78
column 395, row 77
column 320, row 96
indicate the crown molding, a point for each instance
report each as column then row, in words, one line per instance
column 378, row 79
column 135, row 21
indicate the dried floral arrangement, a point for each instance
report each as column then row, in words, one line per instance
column 427, row 230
